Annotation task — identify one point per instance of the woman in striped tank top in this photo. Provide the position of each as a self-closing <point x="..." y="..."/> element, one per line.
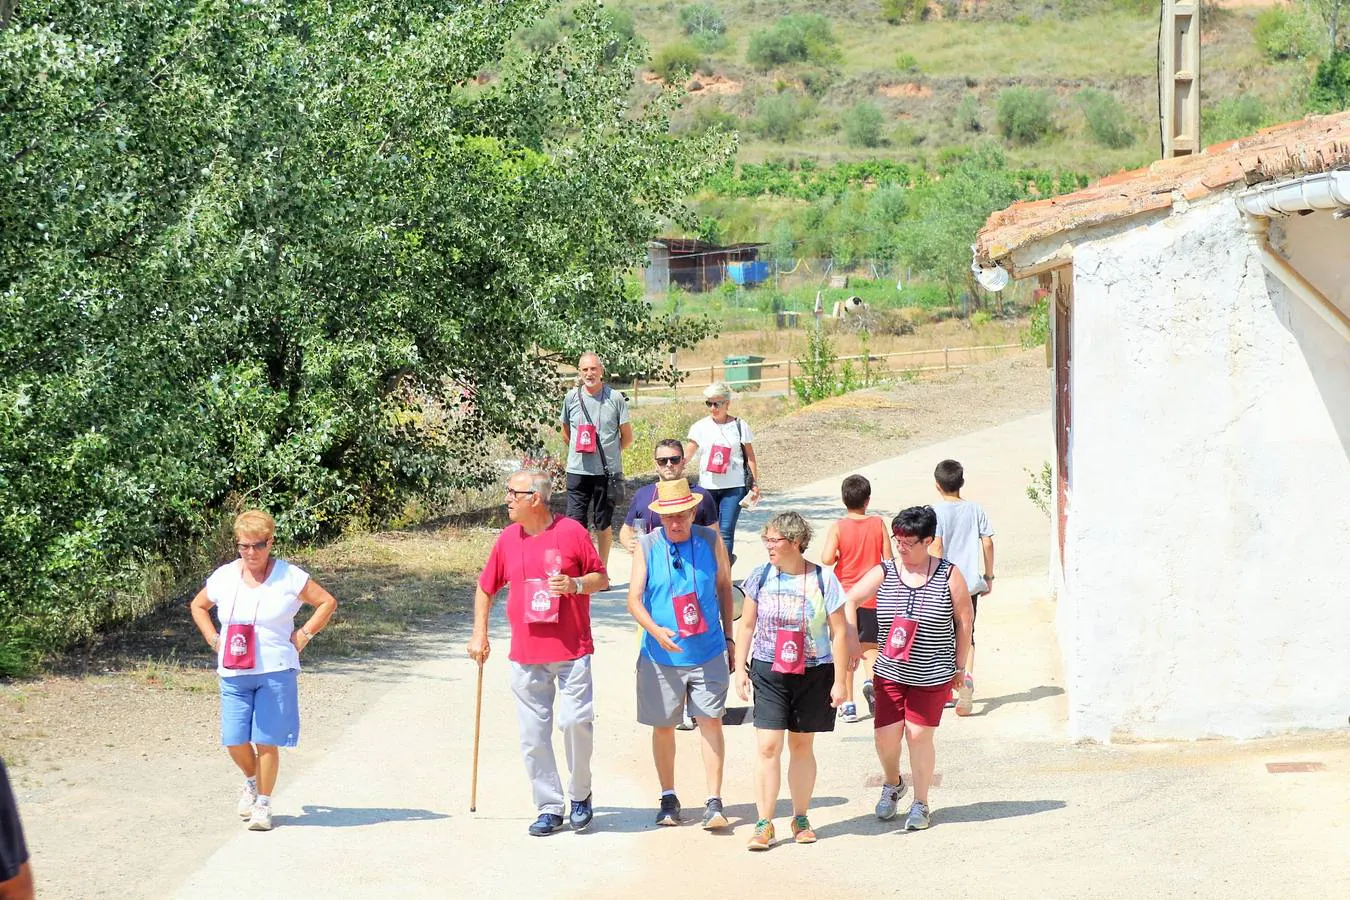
<point x="923" y="622"/>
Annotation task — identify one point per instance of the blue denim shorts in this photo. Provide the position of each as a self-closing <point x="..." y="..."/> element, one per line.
<point x="260" y="709"/>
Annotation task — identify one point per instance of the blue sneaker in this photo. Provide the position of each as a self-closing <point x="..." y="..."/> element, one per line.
<point x="547" y="823"/>
<point x="581" y="813"/>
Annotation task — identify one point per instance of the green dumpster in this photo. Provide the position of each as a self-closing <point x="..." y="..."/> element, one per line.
<point x="743" y="372"/>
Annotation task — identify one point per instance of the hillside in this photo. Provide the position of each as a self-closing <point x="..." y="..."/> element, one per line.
<point x="1017" y="98"/>
<point x="936" y="82"/>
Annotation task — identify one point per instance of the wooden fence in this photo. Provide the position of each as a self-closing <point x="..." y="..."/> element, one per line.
<point x="778" y="374"/>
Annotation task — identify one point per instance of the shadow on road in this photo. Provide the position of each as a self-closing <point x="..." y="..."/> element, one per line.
<point x="989" y="810"/>
<point x="1040" y="692"/>
<point x="354" y="816"/>
<point x="629" y="820"/>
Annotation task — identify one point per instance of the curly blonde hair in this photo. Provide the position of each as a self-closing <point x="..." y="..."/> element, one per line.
<point x="791" y="526"/>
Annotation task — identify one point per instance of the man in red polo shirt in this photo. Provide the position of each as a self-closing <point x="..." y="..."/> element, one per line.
<point x="552" y="569"/>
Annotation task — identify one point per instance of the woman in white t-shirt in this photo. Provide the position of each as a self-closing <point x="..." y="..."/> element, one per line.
<point x="727" y="468"/>
<point x="258" y="656"/>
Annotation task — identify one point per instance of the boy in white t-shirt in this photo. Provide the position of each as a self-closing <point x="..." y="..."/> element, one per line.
<point x="965" y="537"/>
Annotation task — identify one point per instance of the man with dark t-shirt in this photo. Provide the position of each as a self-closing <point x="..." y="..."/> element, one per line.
<point x="16" y="878"/>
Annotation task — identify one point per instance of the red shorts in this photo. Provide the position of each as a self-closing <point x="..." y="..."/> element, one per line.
<point x="904" y="702"/>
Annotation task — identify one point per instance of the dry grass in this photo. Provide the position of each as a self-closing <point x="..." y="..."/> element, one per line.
<point x="391" y="582"/>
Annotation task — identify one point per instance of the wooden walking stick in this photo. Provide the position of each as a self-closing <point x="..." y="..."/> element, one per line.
<point x="477" y="730"/>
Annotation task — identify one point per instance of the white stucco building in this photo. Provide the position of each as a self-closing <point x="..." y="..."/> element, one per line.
<point x="1200" y="314"/>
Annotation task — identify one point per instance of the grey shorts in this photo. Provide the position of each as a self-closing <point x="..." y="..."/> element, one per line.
<point x="663" y="690"/>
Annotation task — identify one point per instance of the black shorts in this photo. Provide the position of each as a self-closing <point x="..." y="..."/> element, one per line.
<point x="799" y="703"/>
<point x="591" y="500"/>
<point x="867" y="625"/>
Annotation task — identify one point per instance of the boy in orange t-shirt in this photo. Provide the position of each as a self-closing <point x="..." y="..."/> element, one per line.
<point x="855" y="545"/>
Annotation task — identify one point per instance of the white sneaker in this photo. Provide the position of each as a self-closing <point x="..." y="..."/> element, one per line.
<point x="247" y="798"/>
<point x="261" y="818"/>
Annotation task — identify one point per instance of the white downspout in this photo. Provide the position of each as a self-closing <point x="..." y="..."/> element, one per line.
<point x="1329" y="190"/>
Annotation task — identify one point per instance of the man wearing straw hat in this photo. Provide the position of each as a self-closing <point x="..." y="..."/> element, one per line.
<point x="680" y="594"/>
<point x="552" y="569"/>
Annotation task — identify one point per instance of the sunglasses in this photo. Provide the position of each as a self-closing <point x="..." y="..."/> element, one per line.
<point x="675" y="561"/>
<point x="669" y="460"/>
<point x="256" y="545"/>
<point x="713" y="404"/>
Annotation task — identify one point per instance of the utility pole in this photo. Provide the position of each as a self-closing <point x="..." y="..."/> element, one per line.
<point x="1180" y="78"/>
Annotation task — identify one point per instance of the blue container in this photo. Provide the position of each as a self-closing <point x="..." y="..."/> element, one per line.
<point x="748" y="274"/>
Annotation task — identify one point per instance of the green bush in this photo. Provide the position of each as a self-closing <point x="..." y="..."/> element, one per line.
<point x="1107" y="121"/>
<point x="819" y="378"/>
<point x="1232" y="117"/>
<point x="675" y="62"/>
<point x="711" y="117"/>
<point x="704" y="26"/>
<point x="1330" y="89"/>
<point x="800" y="37"/>
<point x="898" y="11"/>
<point x="907" y="62"/>
<point x="1025" y="115"/>
<point x="779" y="117"/>
<point x="1284" y="33"/>
<point x="967" y="115"/>
<point x="1037" y="331"/>
<point x="862" y="125"/>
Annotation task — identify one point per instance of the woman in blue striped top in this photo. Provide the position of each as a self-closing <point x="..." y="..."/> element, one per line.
<point x="923" y="623"/>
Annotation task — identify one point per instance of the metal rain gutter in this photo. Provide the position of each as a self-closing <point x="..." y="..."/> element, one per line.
<point x="1327" y="190"/>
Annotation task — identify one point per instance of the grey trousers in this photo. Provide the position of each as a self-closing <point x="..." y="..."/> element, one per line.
<point x="534" y="687"/>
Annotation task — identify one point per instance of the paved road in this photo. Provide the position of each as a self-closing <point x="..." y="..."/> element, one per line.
<point x="1019" y="813"/>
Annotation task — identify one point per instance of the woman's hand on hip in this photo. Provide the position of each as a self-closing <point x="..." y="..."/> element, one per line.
<point x="299" y="639"/>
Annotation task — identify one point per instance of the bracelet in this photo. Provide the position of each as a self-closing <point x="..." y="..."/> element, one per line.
<point x="215" y="641"/>
<point x="577" y="586"/>
<point x="309" y="635"/>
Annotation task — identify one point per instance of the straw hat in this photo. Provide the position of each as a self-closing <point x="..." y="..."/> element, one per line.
<point x="674" y="497"/>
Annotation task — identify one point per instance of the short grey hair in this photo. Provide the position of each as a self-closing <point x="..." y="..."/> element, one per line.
<point x="540" y="481"/>
<point x="718" y="389"/>
<point x="791" y="526"/>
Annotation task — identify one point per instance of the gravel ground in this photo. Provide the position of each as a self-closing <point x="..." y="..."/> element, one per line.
<point x="138" y="740"/>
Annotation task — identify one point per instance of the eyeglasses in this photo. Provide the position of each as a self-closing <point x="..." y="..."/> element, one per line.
<point x="669" y="460"/>
<point x="516" y="495"/>
<point x="713" y="404"/>
<point x="256" y="545"/>
<point x="907" y="543"/>
<point x="772" y="542"/>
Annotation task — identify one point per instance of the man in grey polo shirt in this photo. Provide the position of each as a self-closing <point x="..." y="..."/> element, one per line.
<point x="596" y="430"/>
<point x="680" y="594"/>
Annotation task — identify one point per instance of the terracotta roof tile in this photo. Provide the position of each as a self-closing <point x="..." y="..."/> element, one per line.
<point x="1314" y="144"/>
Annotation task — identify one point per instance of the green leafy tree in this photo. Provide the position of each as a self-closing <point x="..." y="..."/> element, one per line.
<point x="1330" y="89"/>
<point x="896" y="12"/>
<point x="294" y="254"/>
<point x="778" y="117"/>
<point x="1025" y="115"/>
<point x="676" y="61"/>
<point x="1107" y="121"/>
<point x="704" y="25"/>
<point x="799" y="37"/>
<point x="862" y="125"/>
<point x="946" y="213"/>
<point x="1284" y="33"/>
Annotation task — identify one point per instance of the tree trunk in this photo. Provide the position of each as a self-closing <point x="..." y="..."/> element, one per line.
<point x="6" y="10"/>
